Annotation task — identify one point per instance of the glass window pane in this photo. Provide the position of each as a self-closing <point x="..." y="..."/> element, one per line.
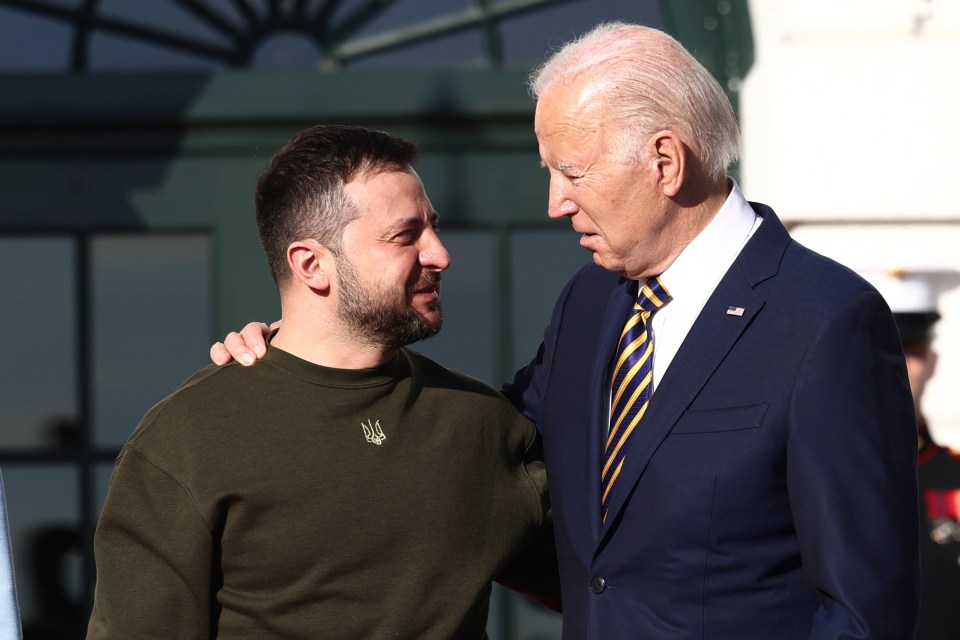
<point x="399" y="14"/>
<point x="38" y="373"/>
<point x="229" y="10"/>
<point x="151" y="324"/>
<point x="167" y="17"/>
<point x="543" y="262"/>
<point x="29" y="42"/>
<point x="456" y="49"/>
<point x="287" y="50"/>
<point x="46" y="541"/>
<point x="466" y="341"/>
<point x="118" y="53"/>
<point x="530" y="37"/>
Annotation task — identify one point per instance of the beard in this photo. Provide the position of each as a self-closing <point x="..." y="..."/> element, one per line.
<point x="377" y="315"/>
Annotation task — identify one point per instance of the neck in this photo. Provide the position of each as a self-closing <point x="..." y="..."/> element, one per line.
<point x="689" y="217"/>
<point x="319" y="338"/>
<point x="705" y="203"/>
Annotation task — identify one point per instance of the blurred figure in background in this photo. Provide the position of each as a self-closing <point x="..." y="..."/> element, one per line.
<point x="9" y="611"/>
<point x="913" y="296"/>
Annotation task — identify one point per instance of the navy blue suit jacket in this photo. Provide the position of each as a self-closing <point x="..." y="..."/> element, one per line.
<point x="770" y="490"/>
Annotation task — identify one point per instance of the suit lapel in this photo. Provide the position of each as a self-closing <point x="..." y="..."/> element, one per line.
<point x="712" y="336"/>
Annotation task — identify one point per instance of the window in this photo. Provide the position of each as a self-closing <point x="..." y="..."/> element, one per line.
<point x="98" y="328"/>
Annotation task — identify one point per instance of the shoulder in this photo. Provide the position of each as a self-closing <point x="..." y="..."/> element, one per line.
<point x="783" y="263"/>
<point x="798" y="262"/>
<point x="811" y="277"/>
<point x="455" y="398"/>
<point x="456" y="387"/>
<point x="786" y="271"/>
<point x="431" y="373"/>
<point x="213" y="394"/>
<point x="822" y="303"/>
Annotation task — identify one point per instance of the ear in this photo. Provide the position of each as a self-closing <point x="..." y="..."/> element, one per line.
<point x="311" y="263"/>
<point x="670" y="160"/>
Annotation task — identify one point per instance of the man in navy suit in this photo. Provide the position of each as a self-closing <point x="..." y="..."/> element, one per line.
<point x="763" y="484"/>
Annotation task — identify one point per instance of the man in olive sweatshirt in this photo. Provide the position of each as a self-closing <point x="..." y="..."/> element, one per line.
<point x="344" y="486"/>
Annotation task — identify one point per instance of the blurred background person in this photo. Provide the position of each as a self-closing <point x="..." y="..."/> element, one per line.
<point x="913" y="297"/>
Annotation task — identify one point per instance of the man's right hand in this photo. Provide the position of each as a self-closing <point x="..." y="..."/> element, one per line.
<point x="245" y="347"/>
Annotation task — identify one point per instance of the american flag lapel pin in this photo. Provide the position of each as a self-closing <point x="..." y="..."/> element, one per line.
<point x="735" y="311"/>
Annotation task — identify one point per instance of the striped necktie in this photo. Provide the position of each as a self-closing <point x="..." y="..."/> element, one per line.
<point x="632" y="381"/>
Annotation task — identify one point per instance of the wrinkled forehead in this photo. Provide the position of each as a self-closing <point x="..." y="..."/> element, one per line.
<point x="576" y="110"/>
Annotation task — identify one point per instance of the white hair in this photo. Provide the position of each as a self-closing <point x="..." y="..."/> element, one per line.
<point x="650" y="83"/>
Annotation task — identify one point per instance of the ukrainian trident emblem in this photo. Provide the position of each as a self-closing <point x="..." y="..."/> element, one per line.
<point x="373" y="432"/>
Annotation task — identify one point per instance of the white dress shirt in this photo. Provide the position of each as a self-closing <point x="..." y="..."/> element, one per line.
<point x="9" y="611"/>
<point x="696" y="272"/>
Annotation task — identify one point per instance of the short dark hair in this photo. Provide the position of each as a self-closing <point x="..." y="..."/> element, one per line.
<point x="301" y="196"/>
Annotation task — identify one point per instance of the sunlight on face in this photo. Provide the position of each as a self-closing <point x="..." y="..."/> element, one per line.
<point x="391" y="260"/>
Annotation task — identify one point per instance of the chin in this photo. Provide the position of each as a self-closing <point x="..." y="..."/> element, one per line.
<point x="433" y="320"/>
<point x="607" y="264"/>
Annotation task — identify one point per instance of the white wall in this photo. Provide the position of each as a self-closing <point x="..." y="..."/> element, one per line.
<point x="849" y="115"/>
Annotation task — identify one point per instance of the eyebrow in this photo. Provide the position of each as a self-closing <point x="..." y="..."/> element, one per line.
<point x="414" y="221"/>
<point x="562" y="167"/>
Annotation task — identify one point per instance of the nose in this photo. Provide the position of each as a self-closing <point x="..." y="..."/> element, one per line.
<point x="559" y="204"/>
<point x="433" y="255"/>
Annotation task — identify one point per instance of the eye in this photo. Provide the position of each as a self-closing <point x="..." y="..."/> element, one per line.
<point x="406" y="236"/>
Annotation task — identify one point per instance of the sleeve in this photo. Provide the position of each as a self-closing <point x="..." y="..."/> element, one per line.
<point x="852" y="476"/>
<point x="154" y="558"/>
<point x="534" y="572"/>
<point x="526" y="389"/>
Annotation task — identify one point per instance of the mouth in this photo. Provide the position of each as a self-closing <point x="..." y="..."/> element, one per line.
<point x="583" y="234"/>
<point x="428" y="285"/>
<point x="434" y="294"/>
<point x="585" y="238"/>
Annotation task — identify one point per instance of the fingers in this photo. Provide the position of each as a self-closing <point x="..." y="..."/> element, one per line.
<point x="245" y="347"/>
<point x="237" y="347"/>
<point x="254" y="337"/>
<point x="219" y="354"/>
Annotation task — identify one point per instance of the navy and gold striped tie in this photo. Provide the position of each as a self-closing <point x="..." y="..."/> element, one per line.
<point x="632" y="376"/>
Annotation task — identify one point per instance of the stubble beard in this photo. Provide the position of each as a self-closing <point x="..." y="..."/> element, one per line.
<point x="376" y="316"/>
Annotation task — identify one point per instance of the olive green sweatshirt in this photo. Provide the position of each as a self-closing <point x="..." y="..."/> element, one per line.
<point x="289" y="500"/>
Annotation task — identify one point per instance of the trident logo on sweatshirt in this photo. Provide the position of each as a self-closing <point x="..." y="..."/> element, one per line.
<point x="373" y="433"/>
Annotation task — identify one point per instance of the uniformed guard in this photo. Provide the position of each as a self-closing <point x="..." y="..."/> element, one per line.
<point x="913" y="298"/>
